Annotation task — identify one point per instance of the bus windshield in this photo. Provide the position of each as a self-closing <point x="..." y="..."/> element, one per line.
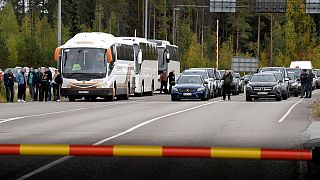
<point x="84" y="61"/>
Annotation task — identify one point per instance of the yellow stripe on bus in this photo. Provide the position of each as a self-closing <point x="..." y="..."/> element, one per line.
<point x="31" y="149"/>
<point x="237" y="153"/>
<point x="121" y="150"/>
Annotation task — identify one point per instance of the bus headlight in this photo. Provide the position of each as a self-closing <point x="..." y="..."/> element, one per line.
<point x="101" y="85"/>
<point x="66" y="85"/>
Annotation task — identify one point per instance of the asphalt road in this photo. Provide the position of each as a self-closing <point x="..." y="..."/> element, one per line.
<point x="155" y="120"/>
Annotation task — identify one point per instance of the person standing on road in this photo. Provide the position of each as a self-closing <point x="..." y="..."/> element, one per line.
<point x="172" y="80"/>
<point x="9" y="84"/>
<point x="309" y="84"/>
<point x="303" y="79"/>
<point x="57" y="83"/>
<point x="164" y="82"/>
<point x="46" y="87"/>
<point x="227" y="77"/>
<point x="32" y="81"/>
<point x="38" y="92"/>
<point x="21" y="80"/>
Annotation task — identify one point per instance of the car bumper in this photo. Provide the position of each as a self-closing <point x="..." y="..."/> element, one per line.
<point x="263" y="94"/>
<point x="193" y="95"/>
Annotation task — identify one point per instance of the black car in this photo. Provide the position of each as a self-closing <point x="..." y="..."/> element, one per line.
<point x="293" y="84"/>
<point x="263" y="86"/>
<point x="190" y="87"/>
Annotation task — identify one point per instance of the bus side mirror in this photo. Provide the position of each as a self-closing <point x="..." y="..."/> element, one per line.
<point x="109" y="55"/>
<point x="140" y="57"/>
<point x="57" y="54"/>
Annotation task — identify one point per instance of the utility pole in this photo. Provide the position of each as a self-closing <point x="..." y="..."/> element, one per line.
<point x="59" y="22"/>
<point x="217" y="48"/>
<point x="146" y="20"/>
<point x="271" y="41"/>
<point x="259" y="21"/>
<point x="174" y="25"/>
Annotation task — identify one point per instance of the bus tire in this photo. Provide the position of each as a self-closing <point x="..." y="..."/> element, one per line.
<point x="126" y="96"/>
<point x="72" y="99"/>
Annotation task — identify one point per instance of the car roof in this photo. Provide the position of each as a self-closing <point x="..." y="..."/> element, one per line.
<point x="191" y="75"/>
<point x="195" y="70"/>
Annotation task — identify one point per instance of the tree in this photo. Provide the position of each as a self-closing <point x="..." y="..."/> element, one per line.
<point x="10" y="30"/>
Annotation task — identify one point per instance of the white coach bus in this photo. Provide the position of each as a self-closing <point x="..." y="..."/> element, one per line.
<point x="146" y="71"/>
<point x="168" y="58"/>
<point x="96" y="65"/>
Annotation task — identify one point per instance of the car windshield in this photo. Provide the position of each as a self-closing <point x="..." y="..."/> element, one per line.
<point x="279" y="76"/>
<point x="263" y="78"/>
<point x="296" y="71"/>
<point x="189" y="80"/>
<point x="204" y="74"/>
<point x="292" y="76"/>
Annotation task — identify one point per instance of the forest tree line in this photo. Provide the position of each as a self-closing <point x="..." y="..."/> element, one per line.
<point x="28" y="30"/>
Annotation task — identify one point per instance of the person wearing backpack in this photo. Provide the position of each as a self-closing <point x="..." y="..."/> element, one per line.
<point x="304" y="84"/>
<point x="227" y="77"/>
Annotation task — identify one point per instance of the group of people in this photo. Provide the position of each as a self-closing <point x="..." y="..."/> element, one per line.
<point x="164" y="81"/>
<point x="38" y="82"/>
<point x="306" y="83"/>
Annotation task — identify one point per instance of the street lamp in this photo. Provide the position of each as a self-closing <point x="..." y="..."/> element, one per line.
<point x="174" y="25"/>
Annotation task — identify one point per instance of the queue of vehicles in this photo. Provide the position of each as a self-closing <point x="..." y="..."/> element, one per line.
<point x="278" y="82"/>
<point x="204" y="84"/>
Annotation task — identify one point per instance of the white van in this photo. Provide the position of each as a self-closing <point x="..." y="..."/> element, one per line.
<point x="301" y="64"/>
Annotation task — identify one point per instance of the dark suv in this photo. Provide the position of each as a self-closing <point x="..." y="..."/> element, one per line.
<point x="263" y="86"/>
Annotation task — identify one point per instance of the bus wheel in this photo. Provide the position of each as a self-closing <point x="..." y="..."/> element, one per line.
<point x="126" y="96"/>
<point x="72" y="99"/>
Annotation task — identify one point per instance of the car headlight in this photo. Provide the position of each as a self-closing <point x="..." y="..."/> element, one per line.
<point x="249" y="87"/>
<point x="201" y="89"/>
<point x="174" y="89"/>
<point x="294" y="84"/>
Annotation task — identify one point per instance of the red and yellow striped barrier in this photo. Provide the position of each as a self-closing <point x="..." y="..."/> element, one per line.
<point x="159" y="151"/>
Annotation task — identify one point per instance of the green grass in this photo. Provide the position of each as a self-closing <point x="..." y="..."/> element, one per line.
<point x="3" y="94"/>
<point x="316" y="109"/>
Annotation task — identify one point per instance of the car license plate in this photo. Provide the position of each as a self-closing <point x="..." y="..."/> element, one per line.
<point x="83" y="92"/>
<point x="264" y="93"/>
<point x="187" y="94"/>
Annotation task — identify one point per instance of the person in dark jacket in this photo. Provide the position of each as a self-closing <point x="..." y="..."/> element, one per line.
<point x="9" y="84"/>
<point x="303" y="79"/>
<point x="172" y="80"/>
<point x="32" y="81"/>
<point x="227" y="77"/>
<point x="309" y="84"/>
<point x="45" y="83"/>
<point x="38" y="91"/>
<point x="57" y="83"/>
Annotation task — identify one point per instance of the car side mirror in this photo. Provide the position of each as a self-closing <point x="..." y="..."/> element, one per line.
<point x="242" y="79"/>
<point x="286" y="79"/>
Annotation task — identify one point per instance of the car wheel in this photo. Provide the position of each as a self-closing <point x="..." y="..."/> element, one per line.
<point x="72" y="99"/>
<point x="248" y="98"/>
<point x="173" y="99"/>
<point x="284" y="96"/>
<point x="296" y="94"/>
<point x="279" y="98"/>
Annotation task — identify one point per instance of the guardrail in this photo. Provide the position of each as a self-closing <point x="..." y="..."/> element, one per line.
<point x="161" y="151"/>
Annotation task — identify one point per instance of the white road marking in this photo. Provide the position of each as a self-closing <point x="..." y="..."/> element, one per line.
<point x="65" y="158"/>
<point x="288" y="112"/>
